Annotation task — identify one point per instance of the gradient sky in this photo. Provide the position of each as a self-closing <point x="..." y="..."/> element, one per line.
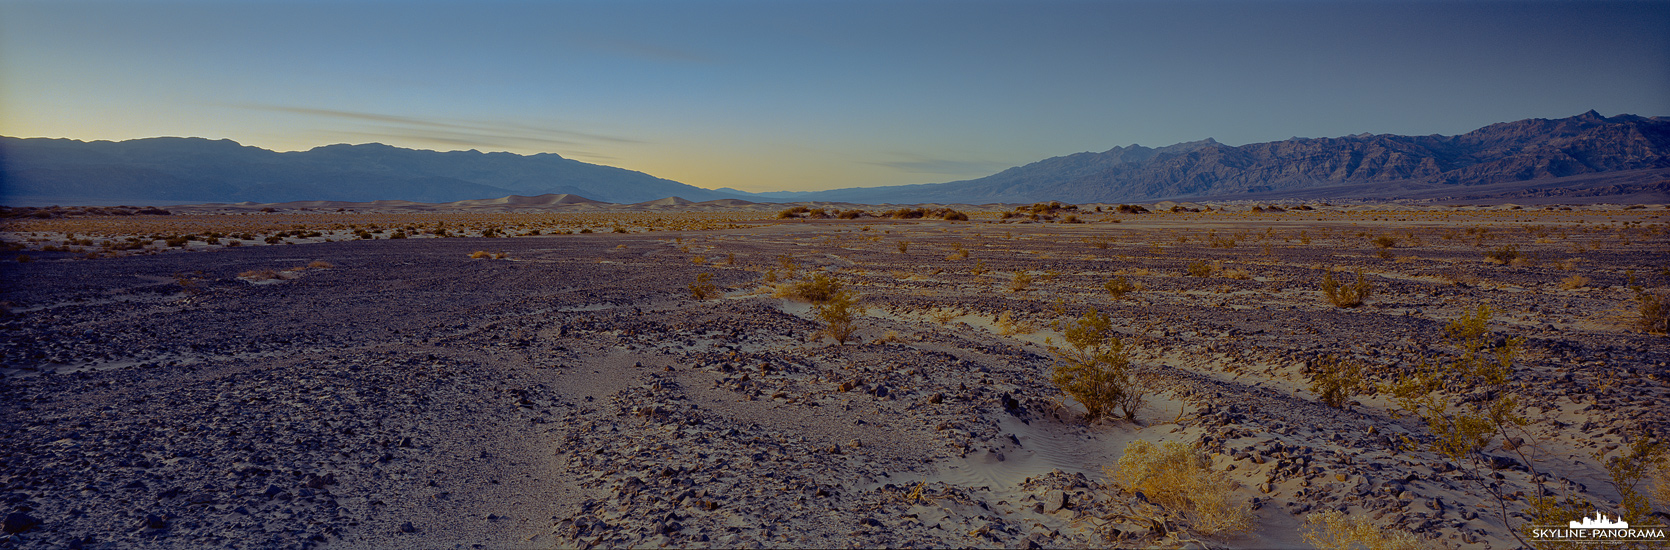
<point x="815" y="94"/>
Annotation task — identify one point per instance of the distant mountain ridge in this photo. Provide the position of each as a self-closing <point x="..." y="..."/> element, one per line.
<point x="1628" y="153"/>
<point x="197" y="169"/>
<point x="1525" y="150"/>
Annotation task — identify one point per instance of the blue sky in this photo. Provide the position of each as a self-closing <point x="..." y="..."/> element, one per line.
<point x="815" y="94"/>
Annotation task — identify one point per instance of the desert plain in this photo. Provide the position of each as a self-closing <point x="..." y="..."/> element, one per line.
<point x="662" y="377"/>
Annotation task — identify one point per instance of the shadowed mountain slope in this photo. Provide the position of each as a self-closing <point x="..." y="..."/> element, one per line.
<point x="1522" y="151"/>
<point x="196" y="169"/>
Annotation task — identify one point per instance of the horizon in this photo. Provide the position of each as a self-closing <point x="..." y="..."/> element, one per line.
<point x="809" y="96"/>
<point x="766" y="192"/>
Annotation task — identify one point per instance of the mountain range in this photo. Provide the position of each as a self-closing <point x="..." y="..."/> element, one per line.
<point x="1532" y="157"/>
<point x="1532" y="150"/>
<point x="195" y="169"/>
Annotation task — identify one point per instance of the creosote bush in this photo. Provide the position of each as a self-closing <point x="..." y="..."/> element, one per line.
<point x="1095" y="369"/>
<point x="1482" y="368"/>
<point x="819" y="289"/>
<point x="1180" y="480"/>
<point x="1340" y="295"/>
<point x="1119" y="286"/>
<point x="1007" y="324"/>
<point x="1020" y="281"/>
<point x="839" y="312"/>
<point x="1505" y="254"/>
<point x="704" y="288"/>
<point x="1653" y="313"/>
<point x="1336" y="380"/>
<point x="1574" y="282"/>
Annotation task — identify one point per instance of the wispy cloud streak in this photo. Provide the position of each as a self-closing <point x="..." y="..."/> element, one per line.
<point x="928" y="165"/>
<point x="453" y="132"/>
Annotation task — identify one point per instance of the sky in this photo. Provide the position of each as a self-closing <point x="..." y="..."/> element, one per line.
<point x="815" y="94"/>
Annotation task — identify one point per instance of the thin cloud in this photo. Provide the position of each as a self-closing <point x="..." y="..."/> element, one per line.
<point x="452" y="132"/>
<point x="928" y="165"/>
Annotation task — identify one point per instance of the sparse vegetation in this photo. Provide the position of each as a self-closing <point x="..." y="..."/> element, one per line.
<point x="1336" y="380"/>
<point x="1504" y="255"/>
<point x="1199" y="268"/>
<point x="1341" y="295"/>
<point x="1574" y="282"/>
<point x="1334" y="530"/>
<point x="839" y="313"/>
<point x="817" y="290"/>
<point x="704" y="288"/>
<point x="1119" y="286"/>
<point x="1653" y="313"/>
<point x="1008" y="325"/>
<point x="1020" y="281"/>
<point x="1094" y="369"/>
<point x="1179" y="480"/>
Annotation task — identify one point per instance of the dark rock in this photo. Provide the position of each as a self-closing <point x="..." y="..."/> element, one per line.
<point x="18" y="522"/>
<point x="153" y="521"/>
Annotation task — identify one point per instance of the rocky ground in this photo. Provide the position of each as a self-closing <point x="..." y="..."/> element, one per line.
<point x="573" y="393"/>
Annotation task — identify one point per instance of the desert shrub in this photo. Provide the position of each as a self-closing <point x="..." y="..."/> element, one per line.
<point x="1237" y="274"/>
<point x="1482" y="369"/>
<point x="1180" y="479"/>
<point x="850" y="214"/>
<point x="259" y="274"/>
<point x="1574" y="282"/>
<point x="1119" y="286"/>
<point x="979" y="266"/>
<point x="839" y="312"/>
<point x="1633" y="465"/>
<point x="1504" y="254"/>
<point x="904" y="247"/>
<point x="1199" y="269"/>
<point x="1336" y="380"/>
<point x="1661" y="486"/>
<point x="1020" y="281"/>
<point x="818" y="289"/>
<point x="1334" y="530"/>
<point x="1385" y="241"/>
<point x="794" y="212"/>
<point x="1007" y="325"/>
<point x="1653" y="313"/>
<point x="704" y="288"/>
<point x="955" y="216"/>
<point x="480" y="254"/>
<point x="24" y="258"/>
<point x="1341" y="295"/>
<point x="320" y="264"/>
<point x="1095" y="369"/>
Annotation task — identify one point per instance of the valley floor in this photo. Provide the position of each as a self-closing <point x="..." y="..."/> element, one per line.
<point x="570" y="391"/>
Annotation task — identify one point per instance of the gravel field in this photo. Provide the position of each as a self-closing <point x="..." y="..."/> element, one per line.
<point x="574" y="393"/>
